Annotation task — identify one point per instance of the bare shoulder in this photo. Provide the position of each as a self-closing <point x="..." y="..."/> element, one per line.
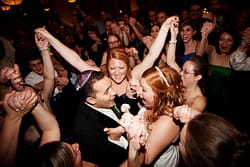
<point x="199" y="103"/>
<point x="165" y="122"/>
<point x="200" y="98"/>
<point x="166" y="129"/>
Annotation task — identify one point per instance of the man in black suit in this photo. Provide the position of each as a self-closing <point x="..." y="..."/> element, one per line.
<point x="107" y="32"/>
<point x="93" y="116"/>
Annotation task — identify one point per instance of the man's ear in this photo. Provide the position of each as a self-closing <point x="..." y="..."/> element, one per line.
<point x="91" y="100"/>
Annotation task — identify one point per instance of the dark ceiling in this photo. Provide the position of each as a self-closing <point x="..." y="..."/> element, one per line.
<point x="30" y="8"/>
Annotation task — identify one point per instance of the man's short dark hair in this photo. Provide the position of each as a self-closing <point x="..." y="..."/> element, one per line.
<point x="87" y="90"/>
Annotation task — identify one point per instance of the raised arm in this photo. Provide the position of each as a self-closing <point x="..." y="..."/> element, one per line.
<point x="47" y="123"/>
<point x="172" y="48"/>
<point x="48" y="68"/>
<point x="9" y="131"/>
<point x="68" y="54"/>
<point x="155" y="49"/>
<point x="133" y="22"/>
<point x="204" y="47"/>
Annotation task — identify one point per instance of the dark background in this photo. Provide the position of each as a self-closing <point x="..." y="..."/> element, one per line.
<point x="34" y="8"/>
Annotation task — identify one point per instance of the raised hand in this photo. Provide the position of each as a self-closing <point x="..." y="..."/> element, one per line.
<point x="16" y="79"/>
<point x="12" y="76"/>
<point x="148" y="40"/>
<point x="131" y="51"/>
<point x="170" y="20"/>
<point x="207" y="28"/>
<point x="132" y="86"/>
<point x="174" y="28"/>
<point x="17" y="104"/>
<point x="5" y="74"/>
<point x="42" y="32"/>
<point x="132" y="21"/>
<point x="41" y="41"/>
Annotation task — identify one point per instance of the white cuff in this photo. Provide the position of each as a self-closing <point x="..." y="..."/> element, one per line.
<point x="122" y="142"/>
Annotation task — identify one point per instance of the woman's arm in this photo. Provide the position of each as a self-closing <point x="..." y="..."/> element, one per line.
<point x="68" y="54"/>
<point x="104" y="58"/>
<point x="155" y="49"/>
<point x="132" y="22"/>
<point x="137" y="136"/>
<point x="47" y="123"/>
<point x="136" y="153"/>
<point x="185" y="113"/>
<point x="172" y="48"/>
<point x="16" y="105"/>
<point x="124" y="38"/>
<point x="48" y="68"/>
<point x="203" y="46"/>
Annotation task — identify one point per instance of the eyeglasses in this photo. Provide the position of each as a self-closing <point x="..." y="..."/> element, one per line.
<point x="112" y="42"/>
<point x="186" y="72"/>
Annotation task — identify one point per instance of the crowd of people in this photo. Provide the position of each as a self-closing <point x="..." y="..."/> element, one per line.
<point x="183" y="76"/>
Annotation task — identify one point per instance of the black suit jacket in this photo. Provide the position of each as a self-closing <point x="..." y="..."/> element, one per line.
<point x="94" y="144"/>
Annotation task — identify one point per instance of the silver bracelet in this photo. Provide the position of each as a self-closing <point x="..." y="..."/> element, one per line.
<point x="41" y="49"/>
<point x="172" y="42"/>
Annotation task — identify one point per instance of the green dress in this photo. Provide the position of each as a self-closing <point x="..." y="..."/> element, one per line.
<point x="218" y="89"/>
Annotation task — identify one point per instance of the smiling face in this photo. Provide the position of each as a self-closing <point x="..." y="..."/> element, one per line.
<point x="187" y="33"/>
<point x="146" y="94"/>
<point x="117" y="70"/>
<point x="188" y="75"/>
<point x="226" y="42"/>
<point x="104" y="94"/>
<point x="36" y="66"/>
<point x="154" y="31"/>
